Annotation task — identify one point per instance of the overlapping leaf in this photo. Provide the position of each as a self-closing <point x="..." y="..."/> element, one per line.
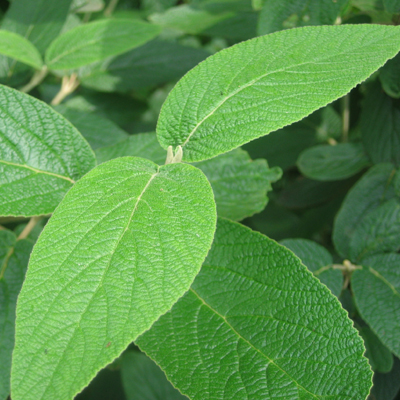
<point x="123" y="246"/>
<point x="41" y="155"/>
<point x="263" y="84"/>
<point x="256" y="324"/>
<point x="96" y="41"/>
<point x="376" y="290"/>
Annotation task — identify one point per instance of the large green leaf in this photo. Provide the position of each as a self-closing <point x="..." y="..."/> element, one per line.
<point x="257" y="325"/>
<point x="153" y="63"/>
<point x="122" y="247"/>
<point x="377" y="232"/>
<point x="41" y="155"/>
<point x="96" y="41"/>
<point x="20" y="49"/>
<point x="318" y="260"/>
<point x="144" y="380"/>
<point x="371" y="191"/>
<point x="277" y="15"/>
<point x="14" y="258"/>
<point x="331" y="163"/>
<point x="261" y="85"/>
<point x="240" y="185"/>
<point x="97" y="130"/>
<point x="376" y="289"/>
<point x="380" y="126"/>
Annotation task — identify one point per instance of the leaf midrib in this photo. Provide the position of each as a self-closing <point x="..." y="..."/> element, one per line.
<point x="271" y="361"/>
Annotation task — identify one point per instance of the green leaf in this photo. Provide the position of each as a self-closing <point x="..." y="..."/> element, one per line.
<point x="85" y="6"/>
<point x="376" y="289"/>
<point x="318" y="260"/>
<point x="261" y="85"/>
<point x="380" y="126"/>
<point x="96" y="41"/>
<point x="154" y="63"/>
<point x="144" y="380"/>
<point x="379" y="356"/>
<point x="122" y="247"/>
<point x="378" y="232"/>
<point x="390" y="77"/>
<point x="240" y="185"/>
<point x="38" y="21"/>
<point x="277" y="15"/>
<point x="245" y="330"/>
<point x="392" y="6"/>
<point x="97" y="130"/>
<point x="188" y="19"/>
<point x="331" y="163"/>
<point x="41" y="155"/>
<point x="143" y="145"/>
<point x="14" y="258"/>
<point x="20" y="49"/>
<point x="372" y="190"/>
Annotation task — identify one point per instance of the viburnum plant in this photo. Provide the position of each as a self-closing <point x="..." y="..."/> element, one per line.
<point x="131" y="244"/>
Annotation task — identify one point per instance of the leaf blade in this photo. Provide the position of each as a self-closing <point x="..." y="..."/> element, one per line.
<point x="282" y="78"/>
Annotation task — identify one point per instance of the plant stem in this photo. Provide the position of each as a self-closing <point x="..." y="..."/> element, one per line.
<point x="37" y="79"/>
<point x="68" y="85"/>
<point x="346" y="118"/>
<point x="110" y="8"/>
<point x="23" y="235"/>
<point x="28" y="228"/>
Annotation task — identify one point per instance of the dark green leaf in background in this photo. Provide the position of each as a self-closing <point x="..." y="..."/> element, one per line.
<point x="331" y="163"/>
<point x="380" y="126"/>
<point x="41" y="155"/>
<point x="256" y="324"/>
<point x="371" y="191"/>
<point x="123" y="246"/>
<point x="318" y="260"/>
<point x="282" y="78"/>
<point x="379" y="356"/>
<point x="14" y="258"/>
<point x="278" y="15"/>
<point x="390" y="77"/>
<point x="386" y="386"/>
<point x="144" y="380"/>
<point x="376" y="289"/>
<point x="149" y="65"/>
<point x="96" y="41"/>
<point x="392" y="6"/>
<point x="97" y="130"/>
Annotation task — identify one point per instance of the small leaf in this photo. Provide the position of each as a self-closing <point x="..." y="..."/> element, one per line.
<point x="122" y="247"/>
<point x="372" y="190"/>
<point x="154" y="63"/>
<point x="389" y="76"/>
<point x="277" y="15"/>
<point x="41" y="155"/>
<point x="379" y="356"/>
<point x="144" y="380"/>
<point x="96" y="41"/>
<point x="380" y="126"/>
<point x="331" y="163"/>
<point x="240" y="185"/>
<point x="376" y="289"/>
<point x="378" y="232"/>
<point x="245" y="330"/>
<point x="261" y="85"/>
<point x="318" y="260"/>
<point x="20" y="49"/>
<point x="143" y="145"/>
<point x="14" y="258"/>
<point x="97" y="130"/>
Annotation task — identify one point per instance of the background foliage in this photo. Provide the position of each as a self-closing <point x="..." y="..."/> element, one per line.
<point x="325" y="184"/>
